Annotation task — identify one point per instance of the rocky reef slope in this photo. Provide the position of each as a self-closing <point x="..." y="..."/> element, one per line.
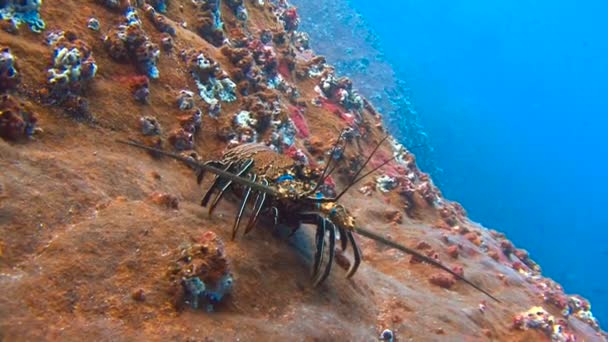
<point x="95" y="236"/>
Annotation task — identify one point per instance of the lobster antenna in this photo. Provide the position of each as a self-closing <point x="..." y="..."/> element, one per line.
<point x="376" y="237"/>
<point x="361" y="168"/>
<point x="323" y="176"/>
<point x="374" y="169"/>
<point x="206" y="167"/>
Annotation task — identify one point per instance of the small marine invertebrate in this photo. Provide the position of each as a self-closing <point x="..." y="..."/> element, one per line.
<point x="9" y="73"/>
<point x="266" y="36"/>
<point x="16" y="121"/>
<point x="201" y="275"/>
<point x="240" y="57"/>
<point x="244" y="125"/>
<point x="73" y="62"/>
<point x="130" y="42"/>
<point x="19" y="12"/>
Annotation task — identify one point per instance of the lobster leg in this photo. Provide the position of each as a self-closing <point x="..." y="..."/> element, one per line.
<point x="201" y="172"/>
<point x="226" y="186"/>
<point x="343" y="238"/>
<point x="276" y="215"/>
<point x="237" y="221"/>
<point x="356" y="255"/>
<point x="254" y="214"/>
<point x="320" y="237"/>
<point x="257" y="207"/>
<point x="332" y="251"/>
<point x="216" y="183"/>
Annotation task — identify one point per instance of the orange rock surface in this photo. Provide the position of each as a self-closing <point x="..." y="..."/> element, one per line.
<point x="89" y="227"/>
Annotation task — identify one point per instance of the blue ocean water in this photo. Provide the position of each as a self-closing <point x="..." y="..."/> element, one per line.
<point x="513" y="97"/>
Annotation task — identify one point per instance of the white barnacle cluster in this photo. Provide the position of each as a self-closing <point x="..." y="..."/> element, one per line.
<point x="72" y="63"/>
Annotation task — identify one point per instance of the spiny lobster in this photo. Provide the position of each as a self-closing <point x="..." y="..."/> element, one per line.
<point x="283" y="187"/>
